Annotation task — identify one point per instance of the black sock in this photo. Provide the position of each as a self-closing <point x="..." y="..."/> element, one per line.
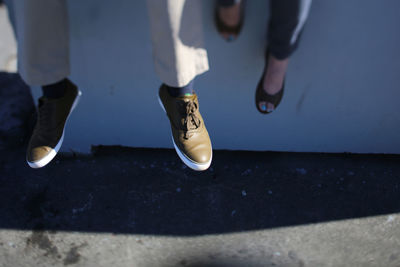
<point x="55" y="90"/>
<point x="181" y="91"/>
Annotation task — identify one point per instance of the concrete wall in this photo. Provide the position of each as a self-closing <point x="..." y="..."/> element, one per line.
<point x="342" y="87"/>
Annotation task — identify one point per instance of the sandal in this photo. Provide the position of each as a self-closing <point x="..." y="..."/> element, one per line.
<point x="233" y="31"/>
<point x="262" y="96"/>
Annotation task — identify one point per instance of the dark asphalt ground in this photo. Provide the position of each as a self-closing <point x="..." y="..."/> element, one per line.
<point x="152" y="188"/>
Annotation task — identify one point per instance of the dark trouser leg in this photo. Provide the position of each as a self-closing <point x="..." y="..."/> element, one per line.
<point x="181" y="91"/>
<point x="227" y="3"/>
<point x="285" y="26"/>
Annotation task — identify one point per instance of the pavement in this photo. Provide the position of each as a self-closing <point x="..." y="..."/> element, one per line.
<point x="121" y="206"/>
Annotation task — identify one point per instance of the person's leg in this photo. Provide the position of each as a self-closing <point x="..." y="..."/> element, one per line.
<point x="285" y="26"/>
<point x="286" y="23"/>
<point x="43" y="60"/>
<point x="11" y="14"/>
<point x="177" y="37"/>
<point x="181" y="91"/>
<point x="227" y="3"/>
<point x="180" y="56"/>
<point x="229" y="18"/>
<point x="43" y="40"/>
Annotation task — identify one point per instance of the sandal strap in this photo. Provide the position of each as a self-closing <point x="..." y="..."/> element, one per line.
<point x="266" y="97"/>
<point x="262" y="96"/>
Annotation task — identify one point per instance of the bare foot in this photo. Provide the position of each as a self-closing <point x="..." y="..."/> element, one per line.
<point x="230" y="16"/>
<point x="273" y="79"/>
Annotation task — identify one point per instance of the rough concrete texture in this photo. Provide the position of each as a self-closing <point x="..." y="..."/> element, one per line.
<point x="143" y="207"/>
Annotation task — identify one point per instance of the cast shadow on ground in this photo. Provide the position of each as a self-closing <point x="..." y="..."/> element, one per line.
<point x="149" y="191"/>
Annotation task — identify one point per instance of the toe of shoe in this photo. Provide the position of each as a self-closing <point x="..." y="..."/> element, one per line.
<point x="36" y="154"/>
<point x="200" y="155"/>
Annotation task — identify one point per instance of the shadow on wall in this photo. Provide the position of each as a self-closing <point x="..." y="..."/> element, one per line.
<point x="146" y="191"/>
<point x="17" y="111"/>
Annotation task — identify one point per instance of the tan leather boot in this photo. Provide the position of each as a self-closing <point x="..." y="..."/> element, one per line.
<point x="189" y="133"/>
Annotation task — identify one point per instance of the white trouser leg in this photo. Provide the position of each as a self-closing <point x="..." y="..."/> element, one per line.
<point x="177" y="35"/>
<point x="43" y="40"/>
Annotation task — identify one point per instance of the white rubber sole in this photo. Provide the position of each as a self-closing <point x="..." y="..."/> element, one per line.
<point x="188" y="162"/>
<point x="53" y="152"/>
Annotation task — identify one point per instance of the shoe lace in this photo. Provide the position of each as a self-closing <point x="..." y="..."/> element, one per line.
<point x="187" y="110"/>
<point x="46" y="115"/>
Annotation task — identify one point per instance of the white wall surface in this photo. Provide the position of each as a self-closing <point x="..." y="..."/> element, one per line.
<point x="342" y="88"/>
